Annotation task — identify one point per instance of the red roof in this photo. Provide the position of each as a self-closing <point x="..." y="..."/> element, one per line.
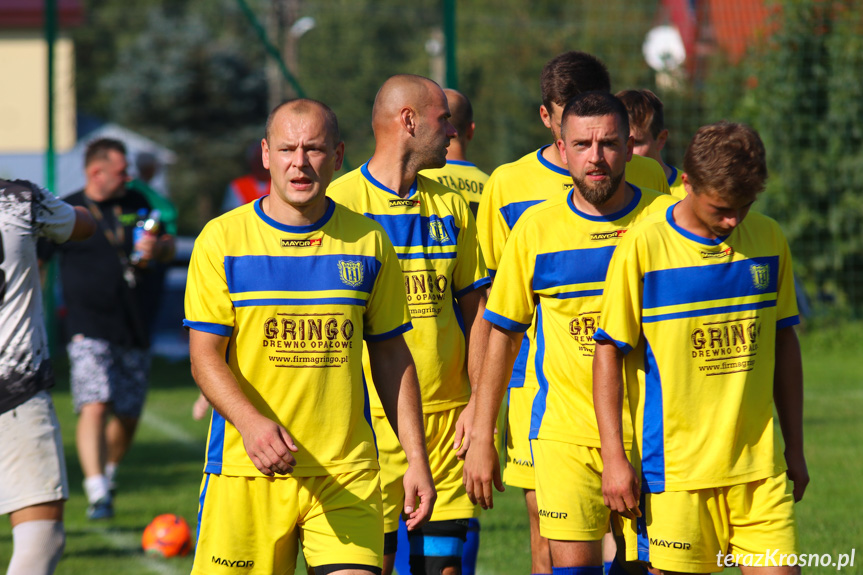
<point x="17" y="14"/>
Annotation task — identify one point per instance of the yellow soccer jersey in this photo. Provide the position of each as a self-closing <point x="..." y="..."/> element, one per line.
<point x="296" y="303"/>
<point x="554" y="264"/>
<point x="463" y="177"/>
<point x="708" y="312"/>
<point x="434" y="235"/>
<point x="675" y="183"/>
<point x="515" y="187"/>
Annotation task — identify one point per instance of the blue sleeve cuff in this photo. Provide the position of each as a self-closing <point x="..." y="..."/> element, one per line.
<point x="475" y="285"/>
<point x="601" y="335"/>
<point x="492" y="272"/>
<point x="504" y="322"/>
<point x="390" y="334"/>
<point x="787" y="322"/>
<point x="214" y="328"/>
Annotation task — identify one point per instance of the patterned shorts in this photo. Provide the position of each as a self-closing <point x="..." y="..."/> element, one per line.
<point x="103" y="372"/>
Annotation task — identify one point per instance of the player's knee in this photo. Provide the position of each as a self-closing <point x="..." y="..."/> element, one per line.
<point x="38" y="546"/>
<point x="437" y="547"/>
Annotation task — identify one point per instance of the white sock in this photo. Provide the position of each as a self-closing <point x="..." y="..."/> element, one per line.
<point x="96" y="488"/>
<point x="111" y="473"/>
<point x="38" y="546"/>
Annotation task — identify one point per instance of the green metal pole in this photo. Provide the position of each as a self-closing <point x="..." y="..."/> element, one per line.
<point x="450" y="43"/>
<point x="51" y="272"/>
<point x="50" y="39"/>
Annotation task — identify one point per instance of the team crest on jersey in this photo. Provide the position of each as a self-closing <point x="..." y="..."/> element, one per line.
<point x="607" y="235"/>
<point x="404" y="203"/>
<point x="726" y="253"/>
<point x="760" y="275"/>
<point x="351" y="273"/>
<point x="437" y="231"/>
<point x="286" y="243"/>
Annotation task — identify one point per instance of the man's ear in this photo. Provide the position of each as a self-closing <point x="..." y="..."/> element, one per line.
<point x="545" y="116"/>
<point x="409" y="119"/>
<point x="661" y="140"/>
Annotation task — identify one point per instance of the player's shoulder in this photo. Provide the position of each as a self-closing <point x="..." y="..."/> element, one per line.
<point x="360" y="224"/>
<point x="763" y="225"/>
<point x="656" y="200"/>
<point x="344" y="183"/>
<point x="451" y="200"/>
<point x="515" y="168"/>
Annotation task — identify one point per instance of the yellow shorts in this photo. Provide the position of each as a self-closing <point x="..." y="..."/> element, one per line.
<point x="452" y="501"/>
<point x="693" y="531"/>
<point x="519" y="470"/>
<point x="569" y="491"/>
<point x="259" y="521"/>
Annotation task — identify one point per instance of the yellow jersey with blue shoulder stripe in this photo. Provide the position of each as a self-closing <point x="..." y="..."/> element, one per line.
<point x="434" y="235"/>
<point x="553" y="268"/>
<point x="707" y="312"/>
<point x="296" y="303"/>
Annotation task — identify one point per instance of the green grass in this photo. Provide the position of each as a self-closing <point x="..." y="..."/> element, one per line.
<point x="162" y="472"/>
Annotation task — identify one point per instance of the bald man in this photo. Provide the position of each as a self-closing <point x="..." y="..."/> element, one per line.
<point x="446" y="281"/>
<point x="289" y="282"/>
<point x="458" y="173"/>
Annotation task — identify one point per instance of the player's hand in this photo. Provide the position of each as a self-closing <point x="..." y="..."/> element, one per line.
<point x="268" y="445"/>
<point x="798" y="472"/>
<point x="463" y="428"/>
<point x="418" y="484"/>
<point x="200" y="407"/>
<point x="481" y="470"/>
<point x="621" y="488"/>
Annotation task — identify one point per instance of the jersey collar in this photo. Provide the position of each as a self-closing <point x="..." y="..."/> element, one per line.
<point x="368" y="175"/>
<point x="549" y="165"/>
<point x="622" y="213"/>
<point x="331" y="207"/>
<point x="669" y="217"/>
<point x="460" y="163"/>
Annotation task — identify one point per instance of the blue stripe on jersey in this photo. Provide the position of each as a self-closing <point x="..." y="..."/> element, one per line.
<point x="475" y="285"/>
<point x="571" y="267"/>
<point x="707" y="283"/>
<point x="435" y="545"/>
<point x="216" y="447"/>
<point x="428" y="256"/>
<point x="390" y="334"/>
<point x="205" y="326"/>
<point x="300" y="301"/>
<point x="787" y="322"/>
<point x="201" y="499"/>
<point x="602" y="335"/>
<point x="539" y="401"/>
<point x="367" y="412"/>
<point x="710" y="311"/>
<point x="519" y="368"/>
<point x="642" y="538"/>
<point x="460" y="163"/>
<point x="653" y="427"/>
<point x="364" y="169"/>
<point x="300" y="273"/>
<point x="412" y="230"/>
<point x="574" y="294"/>
<point x="459" y="318"/>
<point x="504" y="322"/>
<point x="512" y="212"/>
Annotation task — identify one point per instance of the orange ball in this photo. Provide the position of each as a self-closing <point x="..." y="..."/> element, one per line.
<point x="167" y="535"/>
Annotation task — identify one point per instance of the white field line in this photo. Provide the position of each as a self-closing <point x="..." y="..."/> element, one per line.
<point x="120" y="540"/>
<point x="172" y="431"/>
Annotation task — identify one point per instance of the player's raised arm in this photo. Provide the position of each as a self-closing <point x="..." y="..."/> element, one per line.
<point x="266" y="442"/>
<point x="395" y="378"/>
<point x="788" y="397"/>
<point x="482" y="465"/>
<point x="620" y="485"/>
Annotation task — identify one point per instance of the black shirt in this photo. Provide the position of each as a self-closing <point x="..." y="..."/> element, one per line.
<point x="99" y="301"/>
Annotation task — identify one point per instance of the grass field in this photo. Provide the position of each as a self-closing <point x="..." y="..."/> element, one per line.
<point x="162" y="473"/>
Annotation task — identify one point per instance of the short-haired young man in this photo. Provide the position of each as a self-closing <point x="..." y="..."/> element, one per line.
<point x="511" y="189"/>
<point x="647" y="127"/>
<point x="553" y="269"/>
<point x="701" y="300"/>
